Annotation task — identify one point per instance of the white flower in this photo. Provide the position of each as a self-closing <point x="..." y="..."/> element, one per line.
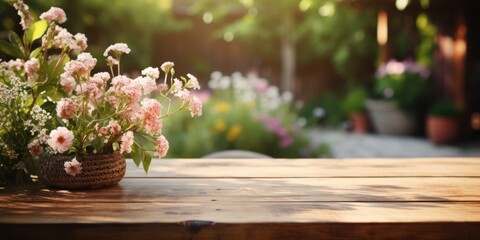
<point x="87" y="59"/>
<point x="54" y="14"/>
<point x="151" y="72"/>
<point x="112" y="61"/>
<point x="117" y="48"/>
<point x="148" y="84"/>
<point x="166" y="66"/>
<point x="192" y="82"/>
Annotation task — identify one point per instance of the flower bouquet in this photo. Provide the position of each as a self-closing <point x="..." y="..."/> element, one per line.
<point x="77" y="123"/>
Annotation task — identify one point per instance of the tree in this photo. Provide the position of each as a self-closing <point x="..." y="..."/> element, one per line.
<point x="323" y="27"/>
<point x="109" y="22"/>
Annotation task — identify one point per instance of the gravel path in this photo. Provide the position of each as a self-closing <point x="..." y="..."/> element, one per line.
<point x="348" y="145"/>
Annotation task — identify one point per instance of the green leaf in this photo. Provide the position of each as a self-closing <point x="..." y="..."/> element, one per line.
<point x="35" y="52"/>
<point x="9" y="49"/>
<point x="137" y="154"/>
<point x="147" y="159"/>
<point x="16" y="43"/>
<point x="36" y="30"/>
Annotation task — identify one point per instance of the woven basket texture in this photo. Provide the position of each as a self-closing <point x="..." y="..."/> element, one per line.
<point x="97" y="171"/>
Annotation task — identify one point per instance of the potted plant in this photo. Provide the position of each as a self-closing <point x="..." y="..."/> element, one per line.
<point x="77" y="124"/>
<point x="443" y="122"/>
<point x="354" y="106"/>
<point x="398" y="88"/>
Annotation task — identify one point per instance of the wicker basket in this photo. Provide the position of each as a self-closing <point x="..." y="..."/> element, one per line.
<point x="98" y="171"/>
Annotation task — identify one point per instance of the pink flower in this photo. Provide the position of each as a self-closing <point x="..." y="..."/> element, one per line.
<point x="63" y="39"/>
<point x="127" y="141"/>
<point x="166" y="66"/>
<point x="151" y="107"/>
<point x="87" y="59"/>
<point x="91" y="90"/>
<point x="183" y="95"/>
<point x="162" y="87"/>
<point x="100" y="78"/>
<point x="31" y="67"/>
<point x="67" y="108"/>
<point x="117" y="48"/>
<point x="102" y="131"/>
<point x="81" y="41"/>
<point x="195" y="106"/>
<point x="73" y="167"/>
<point x="26" y="18"/>
<point x="67" y="82"/>
<point x="76" y="68"/>
<point x="132" y="113"/>
<point x="114" y="127"/>
<point x="120" y="81"/>
<point x="16" y="64"/>
<point x="161" y="146"/>
<point x="54" y="14"/>
<point x="35" y="148"/>
<point x="148" y="84"/>
<point x="133" y="91"/>
<point x="152" y="125"/>
<point x="60" y="140"/>
<point x="151" y="72"/>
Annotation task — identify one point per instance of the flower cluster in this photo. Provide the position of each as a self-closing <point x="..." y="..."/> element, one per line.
<point x="241" y="112"/>
<point x="265" y="101"/>
<point x="403" y="82"/>
<point x="52" y="101"/>
<point x="251" y="89"/>
<point x="394" y="67"/>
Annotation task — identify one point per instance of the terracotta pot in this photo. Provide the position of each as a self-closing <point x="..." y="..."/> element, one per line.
<point x="360" y="122"/>
<point x="442" y="130"/>
<point x="98" y="171"/>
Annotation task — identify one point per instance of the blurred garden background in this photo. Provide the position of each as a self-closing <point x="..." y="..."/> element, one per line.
<point x="302" y="78"/>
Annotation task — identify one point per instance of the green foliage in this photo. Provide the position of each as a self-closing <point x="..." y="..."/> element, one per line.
<point x="444" y="108"/>
<point x="325" y="111"/>
<point x="403" y="82"/>
<point x="231" y="121"/>
<point x="426" y="46"/>
<point x="355" y="100"/>
<point x="322" y="28"/>
<point x="36" y="31"/>
<point x="407" y="89"/>
<point x="135" y="23"/>
<point x="26" y="100"/>
<point x="107" y="22"/>
<point x="341" y="33"/>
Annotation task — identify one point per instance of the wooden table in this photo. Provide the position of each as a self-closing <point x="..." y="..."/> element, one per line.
<point x="436" y="198"/>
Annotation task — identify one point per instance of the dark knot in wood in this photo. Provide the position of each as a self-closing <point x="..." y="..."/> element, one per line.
<point x="194" y="226"/>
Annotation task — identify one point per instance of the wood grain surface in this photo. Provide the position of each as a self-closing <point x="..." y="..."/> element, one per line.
<point x="431" y="198"/>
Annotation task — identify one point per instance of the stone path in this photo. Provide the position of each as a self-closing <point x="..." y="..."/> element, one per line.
<point x="349" y="145"/>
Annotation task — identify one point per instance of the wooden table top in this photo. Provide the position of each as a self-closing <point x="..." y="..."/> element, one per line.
<point x="428" y="198"/>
